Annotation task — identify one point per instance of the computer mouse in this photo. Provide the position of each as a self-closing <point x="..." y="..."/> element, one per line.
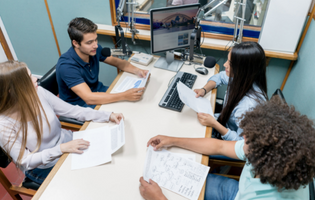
<point x="202" y="70"/>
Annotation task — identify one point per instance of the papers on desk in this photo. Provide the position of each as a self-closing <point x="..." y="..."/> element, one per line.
<point x="104" y="142"/>
<point x="188" y="97"/>
<point x="175" y="172"/>
<point x="131" y="82"/>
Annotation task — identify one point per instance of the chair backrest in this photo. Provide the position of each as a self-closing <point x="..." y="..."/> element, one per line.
<point x="280" y="94"/>
<point x="13" y="191"/>
<point x="4" y="159"/>
<point x="312" y="190"/>
<point x="49" y="81"/>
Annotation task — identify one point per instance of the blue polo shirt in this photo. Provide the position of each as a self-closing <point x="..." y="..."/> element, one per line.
<point x="71" y="70"/>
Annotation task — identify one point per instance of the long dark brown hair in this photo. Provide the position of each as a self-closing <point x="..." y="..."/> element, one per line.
<point x="18" y="95"/>
<point x="247" y="67"/>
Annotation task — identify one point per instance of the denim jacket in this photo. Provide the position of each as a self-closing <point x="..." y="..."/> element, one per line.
<point x="247" y="103"/>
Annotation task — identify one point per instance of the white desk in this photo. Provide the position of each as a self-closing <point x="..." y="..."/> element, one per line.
<point x="143" y="120"/>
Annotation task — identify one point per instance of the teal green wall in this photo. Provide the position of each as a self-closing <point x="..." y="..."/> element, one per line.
<point x="29" y="29"/>
<point x="300" y="87"/>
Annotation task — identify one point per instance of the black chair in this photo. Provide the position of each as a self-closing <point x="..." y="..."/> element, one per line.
<point x="27" y="188"/>
<point x="49" y="82"/>
<point x="312" y="190"/>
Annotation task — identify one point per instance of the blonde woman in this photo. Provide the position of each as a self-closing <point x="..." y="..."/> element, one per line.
<point x="30" y="131"/>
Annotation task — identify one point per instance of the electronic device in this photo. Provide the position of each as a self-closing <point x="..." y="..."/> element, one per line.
<point x="196" y="34"/>
<point x="209" y="62"/>
<point x="202" y="70"/>
<point x="114" y="52"/>
<point x="142" y="58"/>
<point x="171" y="100"/>
<point x="171" y="28"/>
<point x="106" y="52"/>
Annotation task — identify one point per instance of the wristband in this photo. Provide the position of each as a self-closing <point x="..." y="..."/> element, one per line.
<point x="204" y="90"/>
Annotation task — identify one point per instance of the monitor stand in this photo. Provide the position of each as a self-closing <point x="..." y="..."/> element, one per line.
<point x="169" y="63"/>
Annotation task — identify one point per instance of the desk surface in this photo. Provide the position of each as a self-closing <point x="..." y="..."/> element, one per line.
<point x="119" y="179"/>
<point x="208" y="43"/>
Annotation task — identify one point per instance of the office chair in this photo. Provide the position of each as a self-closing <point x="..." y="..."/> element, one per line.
<point x="218" y="160"/>
<point x="312" y="190"/>
<point x="27" y="188"/>
<point x="49" y="82"/>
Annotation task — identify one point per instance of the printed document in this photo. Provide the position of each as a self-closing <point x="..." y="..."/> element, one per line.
<point x="131" y="82"/>
<point x="117" y="134"/>
<point x="175" y="172"/>
<point x="188" y="97"/>
<point x="104" y="142"/>
<point x="99" y="151"/>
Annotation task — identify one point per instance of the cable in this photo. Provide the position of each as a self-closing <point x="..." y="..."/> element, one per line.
<point x="171" y="80"/>
<point x="141" y="45"/>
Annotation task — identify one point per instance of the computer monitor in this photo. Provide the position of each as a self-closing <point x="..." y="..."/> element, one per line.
<point x="170" y="29"/>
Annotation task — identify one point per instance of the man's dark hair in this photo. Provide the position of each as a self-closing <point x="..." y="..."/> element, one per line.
<point x="79" y="26"/>
<point x="281" y="144"/>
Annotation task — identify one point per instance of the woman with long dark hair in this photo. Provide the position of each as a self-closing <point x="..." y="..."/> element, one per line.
<point x="30" y="132"/>
<point x="245" y="76"/>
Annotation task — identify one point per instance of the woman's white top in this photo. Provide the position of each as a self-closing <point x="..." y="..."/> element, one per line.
<point x="49" y="151"/>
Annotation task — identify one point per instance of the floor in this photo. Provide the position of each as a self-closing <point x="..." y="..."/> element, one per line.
<point x="15" y="176"/>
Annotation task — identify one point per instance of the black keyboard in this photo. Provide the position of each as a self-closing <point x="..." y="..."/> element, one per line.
<point x="171" y="99"/>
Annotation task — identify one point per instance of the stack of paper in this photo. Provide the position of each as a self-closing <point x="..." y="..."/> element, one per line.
<point x="188" y="97"/>
<point x="175" y="172"/>
<point x="131" y="82"/>
<point x="104" y="142"/>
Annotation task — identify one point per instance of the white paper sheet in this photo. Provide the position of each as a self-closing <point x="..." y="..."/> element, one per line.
<point x="131" y="82"/>
<point x="117" y="133"/>
<point x="175" y="173"/>
<point x="188" y="97"/>
<point x="99" y="151"/>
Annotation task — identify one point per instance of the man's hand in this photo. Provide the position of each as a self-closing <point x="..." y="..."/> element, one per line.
<point x="141" y="73"/>
<point x="160" y="141"/>
<point x="206" y="119"/>
<point x="74" y="146"/>
<point x="151" y="190"/>
<point x="116" y="117"/>
<point x="134" y="94"/>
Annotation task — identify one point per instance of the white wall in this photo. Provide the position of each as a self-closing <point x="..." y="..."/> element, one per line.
<point x="3" y="57"/>
<point x="283" y="25"/>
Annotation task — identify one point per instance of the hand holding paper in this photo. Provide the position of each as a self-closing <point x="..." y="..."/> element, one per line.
<point x="188" y="97"/>
<point x="206" y="119"/>
<point x="131" y="82"/>
<point x="103" y="142"/>
<point x="175" y="172"/>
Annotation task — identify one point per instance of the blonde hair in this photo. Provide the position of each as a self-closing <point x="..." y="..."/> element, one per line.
<point x="18" y="95"/>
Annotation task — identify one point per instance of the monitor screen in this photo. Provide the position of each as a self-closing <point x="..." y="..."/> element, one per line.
<point x="171" y="27"/>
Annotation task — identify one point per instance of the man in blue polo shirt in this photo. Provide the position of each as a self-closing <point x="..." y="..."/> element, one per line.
<point x="77" y="70"/>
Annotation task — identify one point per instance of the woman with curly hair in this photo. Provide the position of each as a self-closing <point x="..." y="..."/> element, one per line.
<point x="245" y="76"/>
<point x="30" y="132"/>
<point x="279" y="150"/>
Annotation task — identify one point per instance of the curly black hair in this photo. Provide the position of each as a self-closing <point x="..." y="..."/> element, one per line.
<point x="281" y="144"/>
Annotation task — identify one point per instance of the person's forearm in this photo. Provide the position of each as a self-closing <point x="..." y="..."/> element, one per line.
<point x="127" y="67"/>
<point x="221" y="129"/>
<point x="206" y="146"/>
<point x="209" y="86"/>
<point x="96" y="98"/>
